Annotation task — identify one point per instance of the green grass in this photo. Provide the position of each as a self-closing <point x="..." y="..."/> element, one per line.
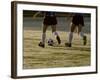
<point x="57" y="55"/>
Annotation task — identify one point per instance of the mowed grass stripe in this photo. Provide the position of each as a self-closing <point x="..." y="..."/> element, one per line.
<point x="54" y="56"/>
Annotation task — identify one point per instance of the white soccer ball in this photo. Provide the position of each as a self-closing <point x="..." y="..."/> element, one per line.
<point x="50" y="42"/>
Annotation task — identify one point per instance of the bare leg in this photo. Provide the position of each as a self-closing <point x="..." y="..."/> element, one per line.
<point x="80" y="30"/>
<point x="73" y="26"/>
<point x="82" y="34"/>
<point x="55" y="33"/>
<point x="44" y="33"/>
<point x="42" y="43"/>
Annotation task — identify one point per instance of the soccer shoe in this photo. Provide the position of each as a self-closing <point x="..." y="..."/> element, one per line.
<point x="84" y="40"/>
<point x="58" y="39"/>
<point x="41" y="45"/>
<point x="68" y="44"/>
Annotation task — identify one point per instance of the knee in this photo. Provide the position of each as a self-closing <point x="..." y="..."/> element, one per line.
<point x="55" y="33"/>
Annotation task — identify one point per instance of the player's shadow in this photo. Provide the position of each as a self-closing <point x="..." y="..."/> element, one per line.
<point x="79" y="48"/>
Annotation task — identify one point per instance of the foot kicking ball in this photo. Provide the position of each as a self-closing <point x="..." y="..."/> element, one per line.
<point x="50" y="42"/>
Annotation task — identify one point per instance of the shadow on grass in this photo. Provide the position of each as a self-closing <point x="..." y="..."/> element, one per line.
<point x="72" y="48"/>
<point x="80" y="48"/>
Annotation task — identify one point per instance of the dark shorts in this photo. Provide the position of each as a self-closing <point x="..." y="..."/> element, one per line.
<point x="78" y="19"/>
<point x="50" y="20"/>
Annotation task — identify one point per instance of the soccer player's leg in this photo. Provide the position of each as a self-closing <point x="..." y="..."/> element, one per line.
<point x="69" y="44"/>
<point x="84" y="40"/>
<point x="56" y="34"/>
<point x="42" y="43"/>
<point x="82" y="34"/>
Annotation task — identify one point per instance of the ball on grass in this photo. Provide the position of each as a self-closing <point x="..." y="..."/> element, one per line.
<point x="50" y="42"/>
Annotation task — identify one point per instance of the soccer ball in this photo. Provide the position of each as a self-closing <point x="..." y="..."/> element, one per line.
<point x="50" y="42"/>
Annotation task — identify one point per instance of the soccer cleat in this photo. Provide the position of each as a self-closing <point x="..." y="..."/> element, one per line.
<point x="68" y="44"/>
<point x="84" y="40"/>
<point x="58" y="39"/>
<point x="41" y="45"/>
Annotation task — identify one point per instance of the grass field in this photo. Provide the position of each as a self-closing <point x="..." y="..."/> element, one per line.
<point x="57" y="55"/>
